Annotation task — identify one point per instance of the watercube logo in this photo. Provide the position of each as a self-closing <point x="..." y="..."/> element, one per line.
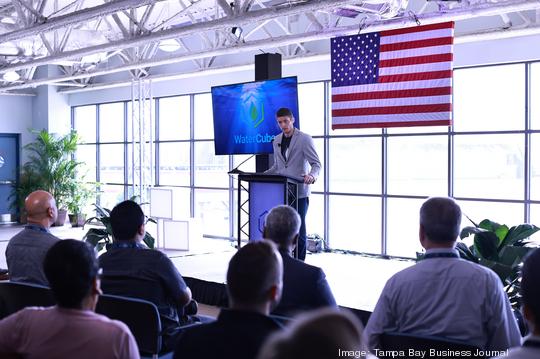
<point x="254" y="115"/>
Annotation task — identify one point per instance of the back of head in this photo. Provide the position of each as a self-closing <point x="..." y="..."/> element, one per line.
<point x="41" y="208"/>
<point x="253" y="271"/>
<point x="282" y="225"/>
<point x="530" y="285"/>
<point x="70" y="267"/>
<point x="284" y="112"/>
<point x="320" y="334"/>
<point x="126" y="219"/>
<point x="440" y="217"/>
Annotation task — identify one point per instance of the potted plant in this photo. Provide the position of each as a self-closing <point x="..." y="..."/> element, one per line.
<point x="101" y="238"/>
<point x="28" y="183"/>
<point x="50" y="167"/>
<point x="501" y="249"/>
<point x="78" y="200"/>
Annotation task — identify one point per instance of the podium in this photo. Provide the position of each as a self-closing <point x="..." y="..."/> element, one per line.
<point x="257" y="195"/>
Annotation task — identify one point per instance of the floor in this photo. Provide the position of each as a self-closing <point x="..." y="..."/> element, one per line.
<point x="356" y="281"/>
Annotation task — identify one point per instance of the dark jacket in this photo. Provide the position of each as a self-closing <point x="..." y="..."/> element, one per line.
<point x="234" y="335"/>
<point x="304" y="287"/>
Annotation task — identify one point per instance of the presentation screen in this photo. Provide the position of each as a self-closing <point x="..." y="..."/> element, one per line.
<point x="244" y="114"/>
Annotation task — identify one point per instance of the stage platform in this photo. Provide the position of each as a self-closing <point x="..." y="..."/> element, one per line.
<point x="356" y="280"/>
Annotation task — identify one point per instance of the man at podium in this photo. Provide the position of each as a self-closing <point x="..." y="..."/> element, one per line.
<point x="295" y="156"/>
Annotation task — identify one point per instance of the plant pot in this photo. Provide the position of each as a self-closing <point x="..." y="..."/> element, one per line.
<point x="77" y="220"/>
<point x="61" y="219"/>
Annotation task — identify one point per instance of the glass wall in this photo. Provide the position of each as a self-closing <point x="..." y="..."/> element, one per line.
<point x="367" y="198"/>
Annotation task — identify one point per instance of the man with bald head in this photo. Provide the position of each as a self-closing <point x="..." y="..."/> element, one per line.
<point x="304" y="286"/>
<point x="26" y="250"/>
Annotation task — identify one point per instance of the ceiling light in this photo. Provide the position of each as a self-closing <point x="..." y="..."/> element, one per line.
<point x="169" y="45"/>
<point x="11" y="76"/>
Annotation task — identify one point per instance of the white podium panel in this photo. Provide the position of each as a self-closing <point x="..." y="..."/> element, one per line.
<point x="177" y="234"/>
<point x="169" y="203"/>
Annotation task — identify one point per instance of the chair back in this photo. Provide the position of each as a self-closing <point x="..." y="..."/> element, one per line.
<point x="141" y="316"/>
<point x="403" y="343"/>
<point x="15" y="296"/>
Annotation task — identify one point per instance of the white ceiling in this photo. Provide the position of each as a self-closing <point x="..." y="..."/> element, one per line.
<point x="89" y="39"/>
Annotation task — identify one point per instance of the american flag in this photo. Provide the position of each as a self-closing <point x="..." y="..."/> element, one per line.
<point x="392" y="78"/>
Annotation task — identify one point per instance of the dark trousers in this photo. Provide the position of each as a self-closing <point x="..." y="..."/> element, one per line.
<point x="303" y="204"/>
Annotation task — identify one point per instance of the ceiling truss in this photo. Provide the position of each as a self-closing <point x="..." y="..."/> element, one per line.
<point x="89" y="39"/>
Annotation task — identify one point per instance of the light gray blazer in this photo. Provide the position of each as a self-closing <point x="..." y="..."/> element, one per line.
<point x="302" y="160"/>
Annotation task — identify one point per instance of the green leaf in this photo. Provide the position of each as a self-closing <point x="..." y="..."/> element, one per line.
<point x="501" y="232"/>
<point x="149" y="240"/>
<point x="465" y="252"/>
<point x="517" y="234"/>
<point x="513" y="256"/>
<point x="489" y="225"/>
<point x="486" y="244"/>
<point x="467" y="231"/>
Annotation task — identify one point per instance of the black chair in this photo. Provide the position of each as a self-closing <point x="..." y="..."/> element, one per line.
<point x="141" y="316"/>
<point x="403" y="344"/>
<point x="16" y="296"/>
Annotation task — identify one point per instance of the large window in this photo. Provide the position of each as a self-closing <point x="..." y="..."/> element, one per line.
<point x="373" y="181"/>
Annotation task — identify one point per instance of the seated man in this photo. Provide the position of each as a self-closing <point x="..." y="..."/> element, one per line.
<point x="130" y="269"/>
<point x="254" y="281"/>
<point x="530" y="292"/>
<point x="71" y="329"/>
<point x="443" y="295"/>
<point x="26" y="250"/>
<point x="304" y="286"/>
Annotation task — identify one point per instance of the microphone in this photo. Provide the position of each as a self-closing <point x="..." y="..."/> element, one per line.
<point x="236" y="170"/>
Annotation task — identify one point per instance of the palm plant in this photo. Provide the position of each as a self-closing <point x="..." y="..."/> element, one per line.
<point x="102" y="237"/>
<point x="501" y="249"/>
<point x="50" y="160"/>
<point x="50" y="167"/>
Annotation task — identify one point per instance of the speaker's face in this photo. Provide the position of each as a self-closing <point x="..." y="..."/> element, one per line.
<point x="286" y="124"/>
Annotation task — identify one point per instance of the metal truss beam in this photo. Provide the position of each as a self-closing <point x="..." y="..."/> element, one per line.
<point x="242" y="19"/>
<point x="74" y="18"/>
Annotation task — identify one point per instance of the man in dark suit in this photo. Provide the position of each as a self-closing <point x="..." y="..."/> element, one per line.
<point x="304" y="286"/>
<point x="254" y="282"/>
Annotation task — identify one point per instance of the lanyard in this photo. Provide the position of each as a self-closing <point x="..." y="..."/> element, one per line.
<point x="133" y="245"/>
<point x="33" y="227"/>
<point x="440" y="255"/>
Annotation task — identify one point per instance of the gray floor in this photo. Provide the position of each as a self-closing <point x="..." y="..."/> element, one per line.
<point x="356" y="281"/>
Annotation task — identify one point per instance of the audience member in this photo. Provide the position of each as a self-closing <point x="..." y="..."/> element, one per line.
<point x="530" y="291"/>
<point x="26" y="250"/>
<point x="304" y="286"/>
<point x="71" y="329"/>
<point x="254" y="281"/>
<point x="321" y="334"/>
<point x="131" y="269"/>
<point x="443" y="295"/>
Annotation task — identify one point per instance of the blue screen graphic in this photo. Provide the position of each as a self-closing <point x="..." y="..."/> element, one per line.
<point x="244" y="114"/>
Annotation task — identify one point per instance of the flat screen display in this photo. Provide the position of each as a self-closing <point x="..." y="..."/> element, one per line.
<point x="244" y="114"/>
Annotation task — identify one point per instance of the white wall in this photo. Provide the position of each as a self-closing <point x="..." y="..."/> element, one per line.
<point x="50" y="109"/>
<point x="16" y="116"/>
